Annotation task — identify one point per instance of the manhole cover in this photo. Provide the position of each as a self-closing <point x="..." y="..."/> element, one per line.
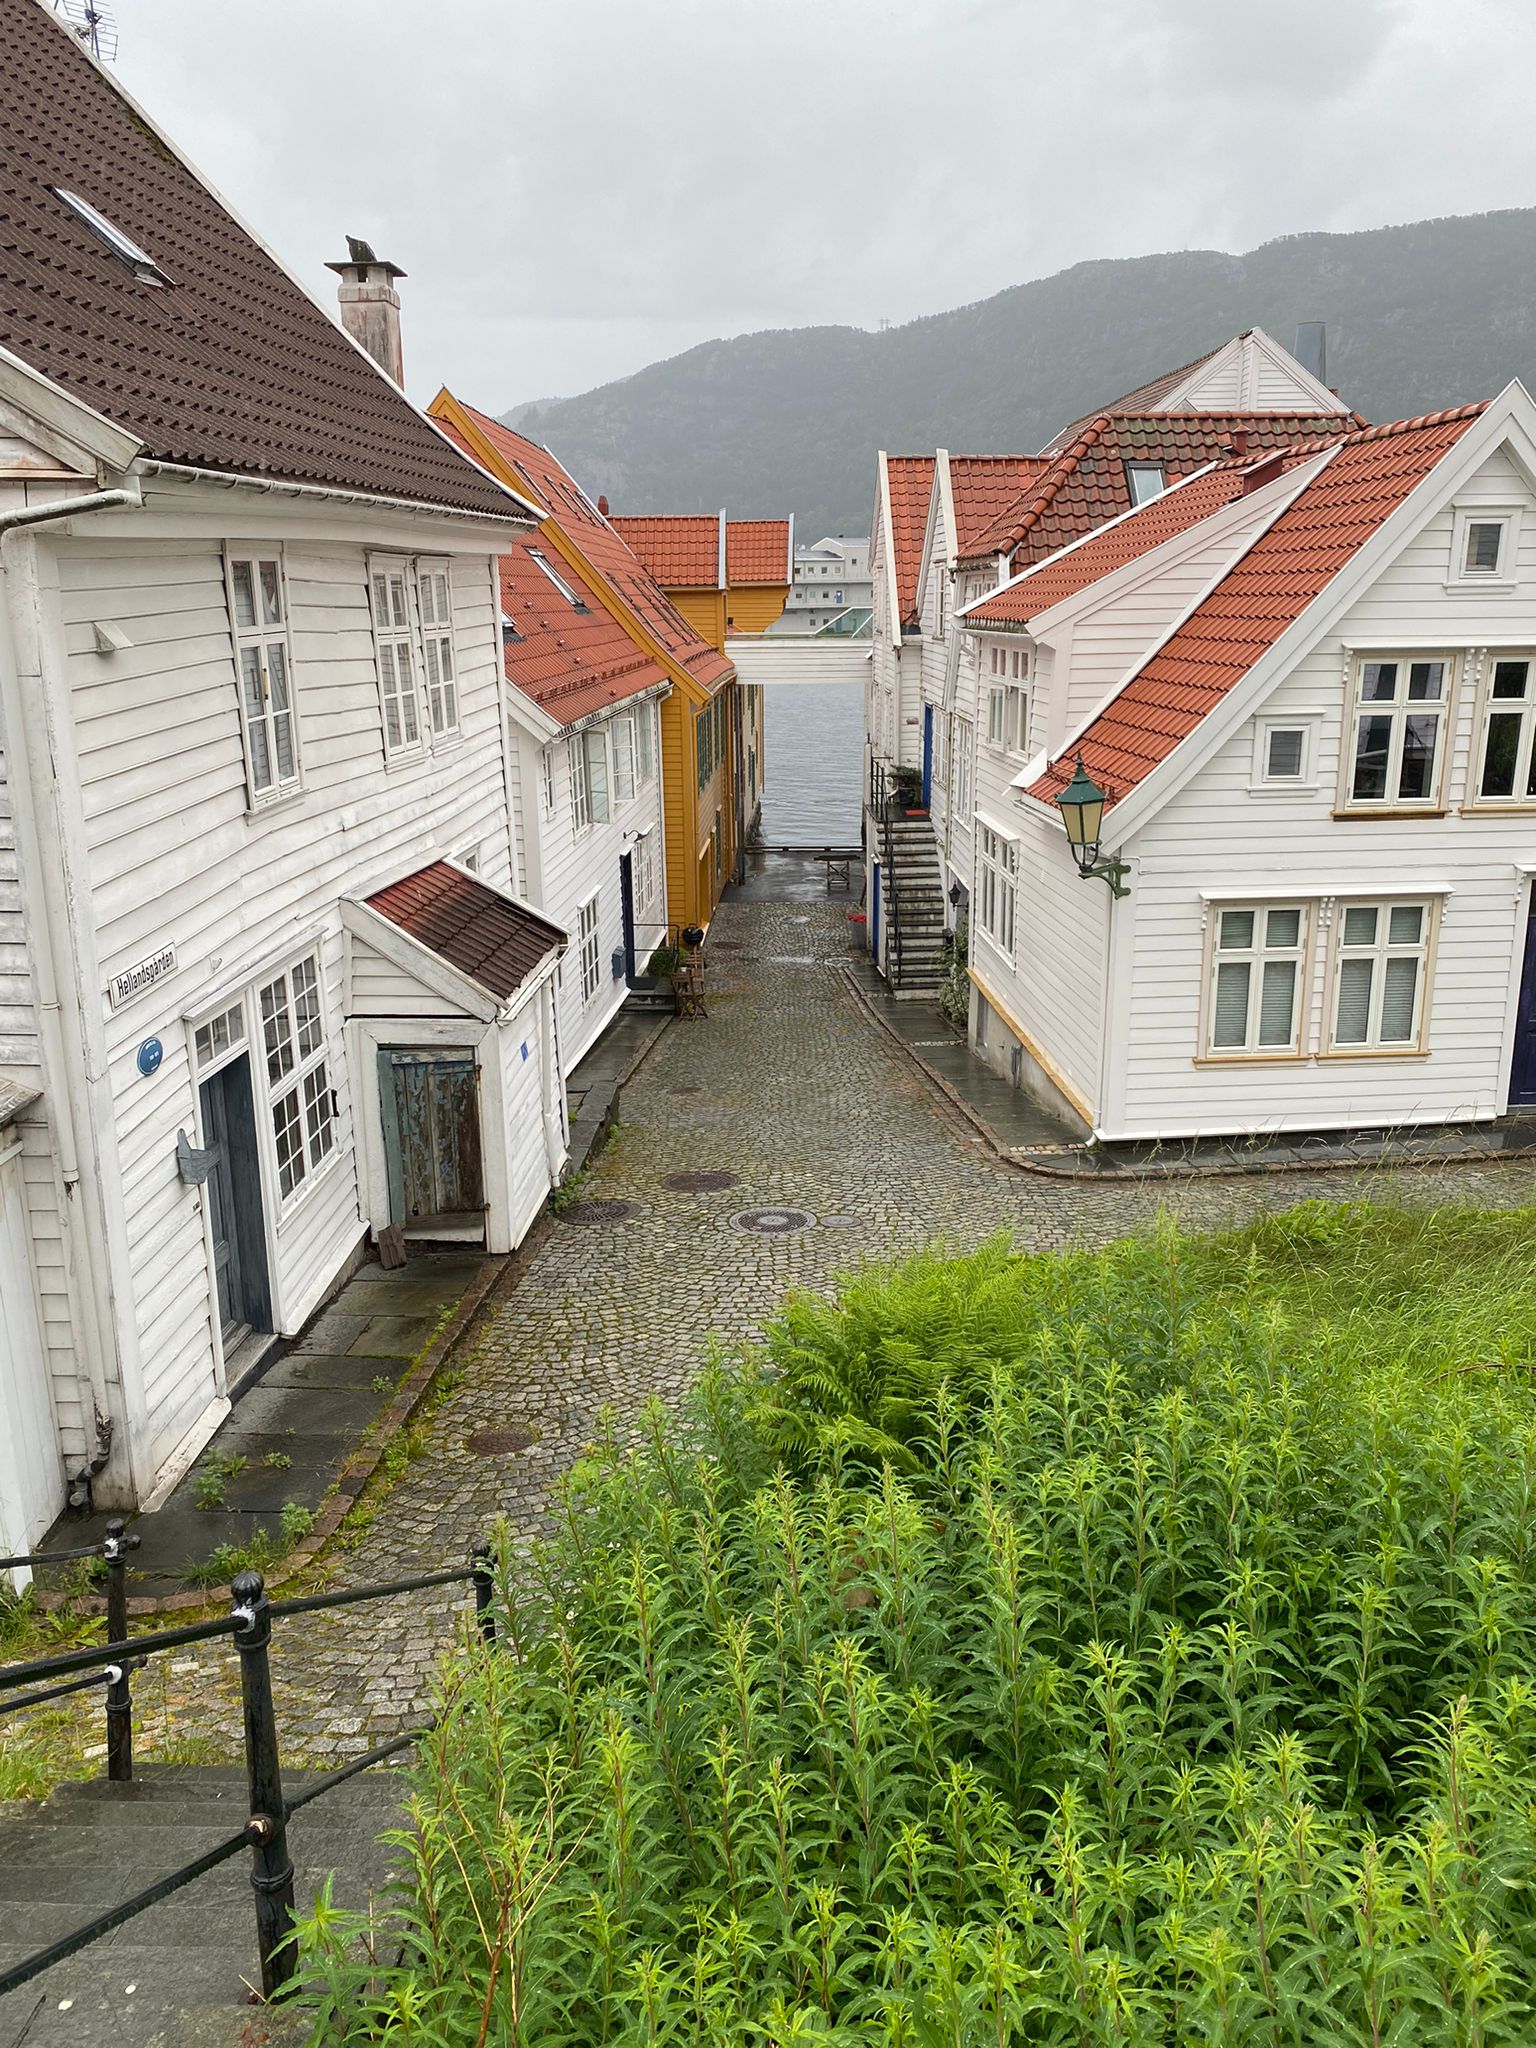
<point x="498" y="1443"/>
<point x="772" y="1222"/>
<point x="598" y="1209"/>
<point x="841" y="1222"/>
<point x="700" y="1180"/>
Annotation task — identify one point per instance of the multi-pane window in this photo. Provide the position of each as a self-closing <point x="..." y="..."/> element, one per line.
<point x="218" y="1035"/>
<point x="645" y="744"/>
<point x="1010" y="661"/>
<point x="623" y="759"/>
<point x="647" y="875"/>
<point x="587" y="948"/>
<point x="1256" y="978"/>
<point x="997" y="865"/>
<point x="1399" y="732"/>
<point x="588" y="752"/>
<point x="549" y="781"/>
<point x="298" y="1083"/>
<point x="960" y="767"/>
<point x="1507" y="772"/>
<point x="389" y="589"/>
<point x="1008" y="718"/>
<point x="435" y="593"/>
<point x="259" y="618"/>
<point x="1379" y="962"/>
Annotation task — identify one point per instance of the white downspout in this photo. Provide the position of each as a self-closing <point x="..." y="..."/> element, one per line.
<point x="39" y="732"/>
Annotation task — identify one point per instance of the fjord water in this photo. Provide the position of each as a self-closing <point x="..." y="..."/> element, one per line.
<point x="814" y="768"/>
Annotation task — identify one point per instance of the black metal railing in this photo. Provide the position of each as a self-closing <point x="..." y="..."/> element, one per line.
<point x="882" y="792"/>
<point x="265" y="1833"/>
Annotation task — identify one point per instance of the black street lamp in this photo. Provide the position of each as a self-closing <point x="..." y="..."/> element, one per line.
<point x="1082" y="812"/>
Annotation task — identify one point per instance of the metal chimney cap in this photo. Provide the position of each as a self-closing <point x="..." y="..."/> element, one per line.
<point x="360" y="254"/>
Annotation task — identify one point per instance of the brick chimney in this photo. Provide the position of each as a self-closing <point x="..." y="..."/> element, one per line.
<point x="370" y="305"/>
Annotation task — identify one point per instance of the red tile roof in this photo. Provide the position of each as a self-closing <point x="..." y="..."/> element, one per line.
<point x="569" y="508"/>
<point x="909" y="482"/>
<point x="1290" y="564"/>
<point x="231" y="366"/>
<point x="570" y="661"/>
<point x="1062" y="576"/>
<point x="681" y="550"/>
<point x="757" y="551"/>
<point x="983" y="487"/>
<point x="1085" y="485"/>
<point x="477" y="930"/>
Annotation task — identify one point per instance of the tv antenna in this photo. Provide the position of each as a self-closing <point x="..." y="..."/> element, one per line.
<point x="93" y="24"/>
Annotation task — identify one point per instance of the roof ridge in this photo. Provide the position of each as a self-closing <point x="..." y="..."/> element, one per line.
<point x="1059" y="468"/>
<point x="1426" y="419"/>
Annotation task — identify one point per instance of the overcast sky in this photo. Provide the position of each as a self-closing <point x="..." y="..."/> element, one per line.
<point x="577" y="187"/>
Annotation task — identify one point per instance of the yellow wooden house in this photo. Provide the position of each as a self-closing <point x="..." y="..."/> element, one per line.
<point x="705" y="814"/>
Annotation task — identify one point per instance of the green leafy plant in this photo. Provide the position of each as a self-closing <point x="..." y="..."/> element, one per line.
<point x="955" y="988"/>
<point x="277" y="1461"/>
<point x="1167" y="1681"/>
<point x="570" y="1190"/>
<point x="260" y="1554"/>
<point x="664" y="962"/>
<point x="214" y="1475"/>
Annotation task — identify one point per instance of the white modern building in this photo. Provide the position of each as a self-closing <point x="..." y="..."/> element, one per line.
<point x="831" y="580"/>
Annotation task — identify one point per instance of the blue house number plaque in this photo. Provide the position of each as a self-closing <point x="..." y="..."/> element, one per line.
<point x="151" y="1053"/>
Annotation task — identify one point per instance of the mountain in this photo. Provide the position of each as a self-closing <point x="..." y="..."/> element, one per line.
<point x="1419" y="317"/>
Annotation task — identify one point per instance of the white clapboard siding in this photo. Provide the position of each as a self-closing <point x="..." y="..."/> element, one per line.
<point x="43" y="1198"/>
<point x="19" y="1052"/>
<point x="576" y="865"/>
<point x="381" y="988"/>
<point x="523" y="1114"/>
<point x="1216" y="832"/>
<point x="175" y="855"/>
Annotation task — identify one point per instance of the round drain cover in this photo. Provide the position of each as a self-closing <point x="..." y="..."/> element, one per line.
<point x="599" y="1209"/>
<point x="498" y="1443"/>
<point x="772" y="1222"/>
<point x="701" y="1180"/>
<point x="841" y="1222"/>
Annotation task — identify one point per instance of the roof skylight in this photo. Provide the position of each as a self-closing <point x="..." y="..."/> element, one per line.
<point x="558" y="580"/>
<point x="139" y="261"/>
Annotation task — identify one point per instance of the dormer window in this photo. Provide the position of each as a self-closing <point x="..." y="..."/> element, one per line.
<point x="139" y="261"/>
<point x="557" y="579"/>
<point x="1144" y="480"/>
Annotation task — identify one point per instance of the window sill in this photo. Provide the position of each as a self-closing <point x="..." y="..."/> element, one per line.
<point x="403" y="757"/>
<point x="315" y="1180"/>
<point x="445" y="742"/>
<point x="1353" y="815"/>
<point x="1496" y="807"/>
<point x="1292" y="1058"/>
<point x="1375" y="1052"/>
<point x="1468" y="586"/>
<point x="1284" y="789"/>
<point x="265" y="806"/>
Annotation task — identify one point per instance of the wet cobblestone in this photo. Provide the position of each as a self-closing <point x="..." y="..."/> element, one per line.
<point x="789" y="1089"/>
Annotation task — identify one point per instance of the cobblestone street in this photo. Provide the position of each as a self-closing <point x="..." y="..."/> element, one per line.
<point x="788" y="1087"/>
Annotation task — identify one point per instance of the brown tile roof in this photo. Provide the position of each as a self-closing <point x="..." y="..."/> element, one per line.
<point x="1086" y="484"/>
<point x="983" y="487"/>
<point x="230" y="366"/>
<point x="477" y="930"/>
<point x="1062" y="576"/>
<point x="681" y="550"/>
<point x="909" y="482"/>
<point x="1290" y="564"/>
<point x="757" y="551"/>
<point x="1145" y="398"/>
<point x="569" y="508"/>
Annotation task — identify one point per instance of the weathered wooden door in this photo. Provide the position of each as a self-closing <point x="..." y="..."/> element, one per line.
<point x="31" y="1474"/>
<point x="431" y="1105"/>
<point x="1522" y="1073"/>
<point x="627" y="911"/>
<point x="233" y="1192"/>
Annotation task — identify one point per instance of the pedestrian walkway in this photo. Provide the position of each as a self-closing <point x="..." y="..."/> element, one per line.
<point x="770" y="1145"/>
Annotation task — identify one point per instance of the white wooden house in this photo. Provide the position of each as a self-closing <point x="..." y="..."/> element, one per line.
<point x="586" y="681"/>
<point x="260" y="939"/>
<point x="1307" y="685"/>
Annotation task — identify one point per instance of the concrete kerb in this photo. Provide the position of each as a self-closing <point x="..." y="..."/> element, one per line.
<point x="1152" y="1170"/>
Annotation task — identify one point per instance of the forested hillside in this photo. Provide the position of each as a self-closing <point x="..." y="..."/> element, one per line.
<point x="1423" y="316"/>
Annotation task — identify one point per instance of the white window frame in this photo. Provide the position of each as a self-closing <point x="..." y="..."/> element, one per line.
<point x="995" y="901"/>
<point x="1521" y="797"/>
<point x="645" y="745"/>
<point x="646" y="869"/>
<point x="1262" y="782"/>
<point x="960" y="763"/>
<point x="300" y="1095"/>
<point x="434" y="602"/>
<point x="1460" y="577"/>
<point x="1398" y="709"/>
<point x="590" y="780"/>
<point x="1380" y="950"/>
<point x="622" y="759"/>
<point x="538" y="556"/>
<point x="1262" y="951"/>
<point x="547" y="756"/>
<point x="589" y="947"/>
<point x="1008" y="719"/>
<point x="396" y="645"/>
<point x="254" y="648"/>
<point x="1136" y="472"/>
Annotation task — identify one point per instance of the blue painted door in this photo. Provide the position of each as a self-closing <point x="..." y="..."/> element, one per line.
<point x="1522" y="1073"/>
<point x="927" y="756"/>
<point x="874" y="917"/>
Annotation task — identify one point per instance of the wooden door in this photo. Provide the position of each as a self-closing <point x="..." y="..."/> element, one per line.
<point x="431" y="1108"/>
<point x="927" y="756"/>
<point x="31" y="1474"/>
<point x="233" y="1194"/>
<point x="1522" y="1073"/>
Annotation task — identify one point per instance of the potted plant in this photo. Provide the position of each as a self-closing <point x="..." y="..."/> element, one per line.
<point x="664" y="962"/>
<point x="906" y="785"/>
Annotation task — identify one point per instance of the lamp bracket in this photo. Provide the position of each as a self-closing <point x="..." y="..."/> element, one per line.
<point x="1110" y="872"/>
